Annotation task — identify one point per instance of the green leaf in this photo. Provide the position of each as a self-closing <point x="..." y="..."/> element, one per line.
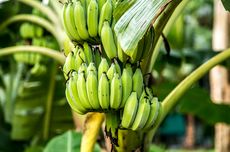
<point x="133" y="24"/>
<point x="197" y="102"/>
<point x="122" y="7"/>
<point x="226" y="4"/>
<point x="67" y="142"/>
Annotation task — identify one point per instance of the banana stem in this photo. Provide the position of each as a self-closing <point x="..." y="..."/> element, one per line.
<point x="44" y="9"/>
<point x="42" y="50"/>
<point x="170" y="101"/>
<point x="92" y="127"/>
<point x="37" y="20"/>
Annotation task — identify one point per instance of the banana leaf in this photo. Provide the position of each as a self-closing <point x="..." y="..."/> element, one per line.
<point x="133" y="24"/>
<point x="226" y="4"/>
<point x="69" y="142"/>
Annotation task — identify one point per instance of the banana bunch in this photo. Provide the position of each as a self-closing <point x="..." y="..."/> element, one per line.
<point x="80" y="54"/>
<point x="141" y="113"/>
<point x="83" y="19"/>
<point x="103" y="87"/>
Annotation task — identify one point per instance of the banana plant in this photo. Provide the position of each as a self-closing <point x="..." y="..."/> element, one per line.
<point x="114" y="38"/>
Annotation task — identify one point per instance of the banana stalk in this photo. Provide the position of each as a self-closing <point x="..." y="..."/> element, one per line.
<point x="91" y="129"/>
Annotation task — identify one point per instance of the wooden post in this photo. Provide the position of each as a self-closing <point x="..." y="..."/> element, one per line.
<point x="219" y="76"/>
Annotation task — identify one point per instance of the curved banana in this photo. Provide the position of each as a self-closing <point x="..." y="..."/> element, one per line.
<point x="130" y="111"/>
<point x="88" y="52"/>
<point x="92" y="67"/>
<point x="73" y="90"/>
<point x="138" y="82"/>
<point x="103" y="67"/>
<point x="142" y="114"/>
<point x="78" y="60"/>
<point x="82" y="54"/>
<point x="82" y="92"/>
<point x="69" y="64"/>
<point x="68" y="20"/>
<point x="115" y="92"/>
<point x="80" y="20"/>
<point x="105" y="15"/>
<point x="154" y="112"/>
<point x="103" y="92"/>
<point x="70" y="100"/>
<point x="117" y="66"/>
<point x="64" y="22"/>
<point x="111" y="71"/>
<point x="92" y="89"/>
<point x="108" y="40"/>
<point x="92" y="18"/>
<point x="127" y="85"/>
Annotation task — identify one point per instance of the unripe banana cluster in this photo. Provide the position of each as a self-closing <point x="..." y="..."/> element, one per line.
<point x="141" y="113"/>
<point x="108" y="83"/>
<point x="92" y="21"/>
<point x="83" y="19"/>
<point x="108" y="86"/>
<point x="32" y="34"/>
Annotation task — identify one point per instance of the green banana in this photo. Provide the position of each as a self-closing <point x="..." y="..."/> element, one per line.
<point x="83" y="68"/>
<point x="39" y="31"/>
<point x="105" y="15"/>
<point x="82" y="54"/>
<point x="88" y="52"/>
<point x="74" y="92"/>
<point x="117" y="66"/>
<point x="69" y="64"/>
<point x="70" y="99"/>
<point x="92" y="18"/>
<point x="115" y="92"/>
<point x="129" y="68"/>
<point x="82" y="91"/>
<point x="121" y="54"/>
<point x="100" y="5"/>
<point x="127" y="85"/>
<point x="80" y="20"/>
<point x="38" y="69"/>
<point x="92" y="67"/>
<point x="103" y="92"/>
<point x="103" y="67"/>
<point x="68" y="20"/>
<point x="138" y="82"/>
<point x="108" y="40"/>
<point x="97" y="56"/>
<point x="154" y="112"/>
<point x="142" y="114"/>
<point x="111" y="71"/>
<point x="130" y="111"/>
<point x="77" y="61"/>
<point x="92" y="89"/>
